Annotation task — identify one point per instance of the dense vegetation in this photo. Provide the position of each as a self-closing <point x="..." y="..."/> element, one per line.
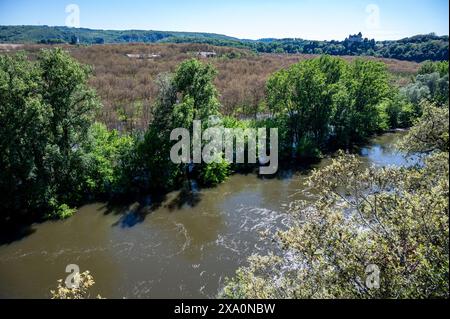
<point x="393" y="218"/>
<point x="128" y="88"/>
<point x="318" y="95"/>
<point x="45" y="115"/>
<point x="54" y="155"/>
<point x="417" y="48"/>
<point x="391" y="223"/>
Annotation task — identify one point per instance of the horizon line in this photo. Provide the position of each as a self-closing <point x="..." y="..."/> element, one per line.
<point x="205" y="32"/>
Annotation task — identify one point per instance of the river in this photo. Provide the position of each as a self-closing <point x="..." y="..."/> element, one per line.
<point x="183" y="247"/>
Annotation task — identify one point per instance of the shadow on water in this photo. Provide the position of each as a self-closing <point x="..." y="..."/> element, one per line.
<point x="10" y="234"/>
<point x="135" y="211"/>
<point x="187" y="196"/>
<point x="181" y="244"/>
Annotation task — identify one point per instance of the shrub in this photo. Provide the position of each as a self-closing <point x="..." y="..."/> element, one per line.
<point x="107" y="154"/>
<point x="85" y="283"/>
<point x="214" y="173"/>
<point x="393" y="220"/>
<point x="59" y="211"/>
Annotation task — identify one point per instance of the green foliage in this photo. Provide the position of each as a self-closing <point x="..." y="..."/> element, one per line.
<point x="62" y="211"/>
<point x="58" y="34"/>
<point x="187" y="95"/>
<point x="302" y="95"/>
<point x="71" y="106"/>
<point x="367" y="84"/>
<point x="327" y="98"/>
<point x="431" y="84"/>
<point x="214" y="173"/>
<point x="396" y="219"/>
<point x="429" y="67"/>
<point x="232" y="122"/>
<point x="430" y="133"/>
<point x="194" y="81"/>
<point x="306" y="149"/>
<point x="107" y="155"/>
<point x="23" y="139"/>
<point x="396" y="112"/>
<point x="416" y="48"/>
<point x="46" y="109"/>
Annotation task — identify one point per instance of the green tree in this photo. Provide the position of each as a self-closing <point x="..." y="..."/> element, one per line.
<point x="71" y="105"/>
<point x="46" y="111"/>
<point x="185" y="96"/>
<point x="194" y="80"/>
<point x="431" y="83"/>
<point x="327" y="98"/>
<point x="158" y="171"/>
<point x="397" y="112"/>
<point x="303" y="96"/>
<point x="365" y="85"/>
<point x="108" y="156"/>
<point x="24" y="120"/>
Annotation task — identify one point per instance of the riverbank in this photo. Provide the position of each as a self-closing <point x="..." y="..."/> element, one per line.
<point x="183" y="247"/>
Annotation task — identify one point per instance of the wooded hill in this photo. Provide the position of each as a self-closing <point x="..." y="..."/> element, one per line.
<point x="417" y="48"/>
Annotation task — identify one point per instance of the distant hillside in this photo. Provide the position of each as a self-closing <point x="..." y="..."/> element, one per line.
<point x="417" y="48"/>
<point x="46" y="34"/>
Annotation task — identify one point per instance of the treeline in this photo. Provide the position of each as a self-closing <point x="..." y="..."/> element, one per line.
<point x="53" y="156"/>
<point x="58" y="34"/>
<point x="417" y="48"/>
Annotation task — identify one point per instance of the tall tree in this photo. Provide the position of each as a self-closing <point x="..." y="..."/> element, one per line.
<point x="46" y="108"/>
<point x="71" y="104"/>
<point x="23" y="136"/>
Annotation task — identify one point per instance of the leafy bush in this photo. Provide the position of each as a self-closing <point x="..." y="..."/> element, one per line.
<point x="429" y="67"/>
<point x="430" y="132"/>
<point x="397" y="112"/>
<point x="60" y="211"/>
<point x="85" y="282"/>
<point x="107" y="155"/>
<point x="393" y="220"/>
<point x="432" y="84"/>
<point x="214" y="173"/>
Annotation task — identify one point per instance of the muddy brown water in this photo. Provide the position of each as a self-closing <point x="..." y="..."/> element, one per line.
<point x="183" y="249"/>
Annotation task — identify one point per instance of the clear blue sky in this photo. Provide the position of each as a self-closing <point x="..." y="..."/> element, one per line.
<point x="252" y="19"/>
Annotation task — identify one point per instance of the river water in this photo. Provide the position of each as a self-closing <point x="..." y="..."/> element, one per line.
<point x="184" y="247"/>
